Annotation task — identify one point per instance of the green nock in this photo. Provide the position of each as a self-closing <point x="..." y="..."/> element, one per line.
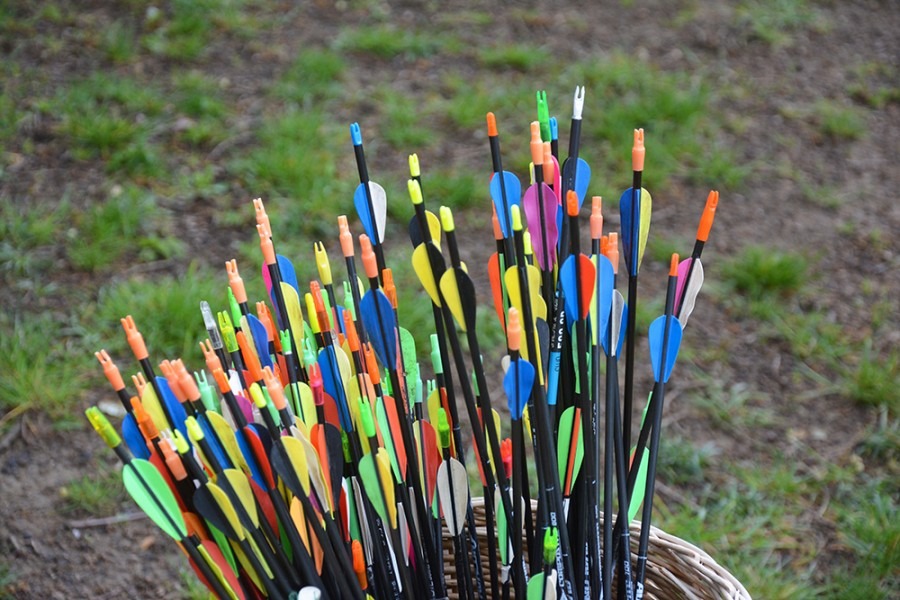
<point x="227" y="330"/>
<point x="365" y="415"/>
<point x="256" y="394"/>
<point x="207" y="394"/>
<point x="234" y="307"/>
<point x="181" y="444"/>
<point x="475" y="384"/>
<point x="443" y="428"/>
<point x="193" y="429"/>
<point x="543" y="112"/>
<point x="551" y="540"/>
<point x="386" y="384"/>
<point x="103" y="427"/>
<point x="345" y="444"/>
<point x="419" y="391"/>
<point x="348" y="300"/>
<point x="285" y="337"/>
<point x="309" y="357"/>
<point x="436" y="355"/>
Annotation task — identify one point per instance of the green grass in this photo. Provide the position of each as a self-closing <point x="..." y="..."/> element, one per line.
<point x="166" y="311"/>
<point x="457" y="190"/>
<point x="838" y="121"/>
<point x="386" y="41"/>
<point x="776" y="21"/>
<point x="96" y="495"/>
<point x="402" y="125"/>
<point x="186" y="30"/>
<point x="761" y="273"/>
<point x="40" y="362"/>
<point x="27" y="235"/>
<point x="118" y="43"/>
<point x="315" y="76"/>
<point x="875" y="380"/>
<point x="520" y="57"/>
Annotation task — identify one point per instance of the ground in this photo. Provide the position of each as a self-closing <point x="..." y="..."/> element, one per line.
<point x="133" y="137"/>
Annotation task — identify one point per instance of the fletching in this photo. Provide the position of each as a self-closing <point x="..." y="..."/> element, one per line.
<point x="241" y="486"/>
<point x="374" y="471"/>
<point x="432" y="456"/>
<point x="133" y="437"/>
<point x="517" y="384"/>
<point x="570" y="449"/>
<point x="452" y="474"/>
<point x="291" y="466"/>
<point x="220" y="568"/>
<point x="634" y="234"/>
<point x="379" y="204"/>
<point x="173" y="406"/>
<point x="602" y="306"/>
<point x="422" y="258"/>
<point x="582" y="180"/>
<point x="151" y="404"/>
<point x="333" y="385"/>
<point x="640" y="486"/>
<point x="496" y="287"/>
<point x="655" y="335"/>
<point x="314" y="470"/>
<point x="618" y="316"/>
<point x="260" y="340"/>
<point x="689" y="291"/>
<point x="513" y="197"/>
<point x="288" y="274"/>
<point x="434" y="230"/>
<point x="538" y="306"/>
<point x="577" y="289"/>
<point x="548" y="229"/>
<point x="380" y="323"/>
<point x="150" y="491"/>
<point x="258" y="446"/>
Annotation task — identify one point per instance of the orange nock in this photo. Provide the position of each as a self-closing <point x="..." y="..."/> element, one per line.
<point x="251" y="361"/>
<point x="506" y="455"/>
<point x="673" y="266"/>
<point x="638" y="151"/>
<point x="235" y="281"/>
<point x="319" y="306"/>
<point x="513" y="330"/>
<point x="346" y="237"/>
<point x="221" y="380"/>
<point x="139" y="383"/>
<point x="186" y="380"/>
<point x="168" y="371"/>
<point x="492" y="125"/>
<point x="371" y="364"/>
<point x="498" y="233"/>
<point x="134" y="337"/>
<point x="350" y="329"/>
<point x="537" y="146"/>
<point x="549" y="167"/>
<point x="596" y="217"/>
<point x="261" y="217"/>
<point x="265" y="244"/>
<point x="390" y="290"/>
<point x="265" y="317"/>
<point x="145" y="423"/>
<point x="612" y="251"/>
<point x="209" y="353"/>
<point x="173" y="460"/>
<point x="709" y="213"/>
<point x="110" y="370"/>
<point x="572" y="203"/>
<point x="275" y="389"/>
<point x="370" y="265"/>
<point x="315" y="384"/>
<point x="359" y="563"/>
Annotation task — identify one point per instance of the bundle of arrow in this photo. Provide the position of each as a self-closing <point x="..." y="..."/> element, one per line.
<point x="309" y="461"/>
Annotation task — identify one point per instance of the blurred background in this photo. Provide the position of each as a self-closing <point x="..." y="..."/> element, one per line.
<point x="133" y="136"/>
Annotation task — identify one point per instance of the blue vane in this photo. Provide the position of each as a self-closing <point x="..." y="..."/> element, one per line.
<point x="260" y="340"/>
<point x="630" y="230"/>
<point x="381" y="330"/>
<point x="361" y="202"/>
<point x="513" y="198"/>
<point x="131" y="433"/>
<point x="173" y="406"/>
<point x="244" y="446"/>
<point x="288" y="274"/>
<point x="517" y="384"/>
<point x="582" y="180"/>
<point x="333" y="386"/>
<point x="655" y="335"/>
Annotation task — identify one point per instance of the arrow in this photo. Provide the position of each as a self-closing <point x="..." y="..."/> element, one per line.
<point x="453" y="491"/>
<point x="369" y="199"/>
<point x="665" y="341"/>
<point x="690" y="271"/>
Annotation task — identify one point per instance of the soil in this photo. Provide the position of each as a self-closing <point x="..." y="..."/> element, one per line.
<point x="761" y="83"/>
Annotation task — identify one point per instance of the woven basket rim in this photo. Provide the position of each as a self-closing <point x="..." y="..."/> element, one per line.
<point x="675" y="568"/>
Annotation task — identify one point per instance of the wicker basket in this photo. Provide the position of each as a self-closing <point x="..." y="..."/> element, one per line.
<point x="675" y="569"/>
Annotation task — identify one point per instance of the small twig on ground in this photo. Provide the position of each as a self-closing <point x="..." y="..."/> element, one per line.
<point x="11" y="436"/>
<point x="15" y="412"/>
<point x="102" y="521"/>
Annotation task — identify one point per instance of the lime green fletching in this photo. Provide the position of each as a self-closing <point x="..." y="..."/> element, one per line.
<point x="365" y="415"/>
<point x="371" y="472"/>
<point x="503" y="544"/>
<point x="222" y="542"/>
<point x="150" y="491"/>
<point x="567" y="432"/>
<point x="443" y="428"/>
<point x="640" y="487"/>
<point x="227" y="329"/>
<point x="385" y="427"/>
<point x="535" y="590"/>
<point x="234" y="307"/>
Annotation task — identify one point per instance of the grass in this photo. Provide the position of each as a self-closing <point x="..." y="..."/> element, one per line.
<point x="837" y="121"/>
<point x="875" y="380"/>
<point x="165" y="309"/>
<point x="520" y="57"/>
<point x="96" y="495"/>
<point x="401" y="123"/>
<point x="775" y="21"/>
<point x="186" y="31"/>
<point x="315" y="76"/>
<point x="760" y="273"/>
<point x="27" y="234"/>
<point x="385" y="41"/>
